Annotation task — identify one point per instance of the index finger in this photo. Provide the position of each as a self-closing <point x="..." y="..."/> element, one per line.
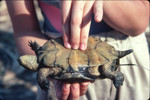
<point x="65" y="7"/>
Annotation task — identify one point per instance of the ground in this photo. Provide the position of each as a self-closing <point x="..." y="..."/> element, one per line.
<point x="17" y="83"/>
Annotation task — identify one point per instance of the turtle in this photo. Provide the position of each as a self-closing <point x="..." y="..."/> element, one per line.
<point x="52" y="60"/>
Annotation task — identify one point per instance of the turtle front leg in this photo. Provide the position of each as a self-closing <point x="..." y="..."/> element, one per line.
<point x="42" y="78"/>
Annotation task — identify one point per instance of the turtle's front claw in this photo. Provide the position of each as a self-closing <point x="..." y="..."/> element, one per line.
<point x="42" y="78"/>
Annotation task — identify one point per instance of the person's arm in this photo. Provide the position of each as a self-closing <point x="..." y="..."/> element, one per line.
<point x="128" y="17"/>
<point x="25" y="25"/>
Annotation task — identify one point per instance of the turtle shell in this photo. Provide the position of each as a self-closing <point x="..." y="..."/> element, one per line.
<point x="54" y="54"/>
<point x="53" y="60"/>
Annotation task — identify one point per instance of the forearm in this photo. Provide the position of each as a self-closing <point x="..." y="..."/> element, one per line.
<point x="23" y="16"/>
<point x="129" y="17"/>
<point x="25" y="25"/>
<point x="22" y="40"/>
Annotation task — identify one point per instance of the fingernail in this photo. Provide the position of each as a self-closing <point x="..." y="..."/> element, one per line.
<point x="98" y="18"/>
<point x="67" y="45"/>
<point x="75" y="46"/>
<point x="82" y="47"/>
<point x="85" y="84"/>
<point x="67" y="86"/>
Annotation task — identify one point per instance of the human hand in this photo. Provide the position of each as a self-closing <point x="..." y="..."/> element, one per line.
<point x="76" y="19"/>
<point x="66" y="91"/>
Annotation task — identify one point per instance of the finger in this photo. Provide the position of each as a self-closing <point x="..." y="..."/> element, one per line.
<point x="65" y="7"/>
<point x="87" y="14"/>
<point x="62" y="90"/>
<point x="98" y="10"/>
<point x="83" y="88"/>
<point x="76" y="20"/>
<point x="65" y="91"/>
<point x="58" y="87"/>
<point x="75" y="91"/>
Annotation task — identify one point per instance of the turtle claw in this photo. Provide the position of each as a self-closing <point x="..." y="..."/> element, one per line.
<point x="42" y="78"/>
<point x="44" y="85"/>
<point x="118" y="80"/>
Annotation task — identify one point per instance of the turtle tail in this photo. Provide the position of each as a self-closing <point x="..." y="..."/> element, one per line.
<point x="34" y="46"/>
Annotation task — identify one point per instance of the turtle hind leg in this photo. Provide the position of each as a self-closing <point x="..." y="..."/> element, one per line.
<point x="116" y="76"/>
<point x="118" y="79"/>
<point x="42" y="80"/>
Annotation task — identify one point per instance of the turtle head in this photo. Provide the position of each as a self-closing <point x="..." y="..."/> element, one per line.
<point x="29" y="62"/>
